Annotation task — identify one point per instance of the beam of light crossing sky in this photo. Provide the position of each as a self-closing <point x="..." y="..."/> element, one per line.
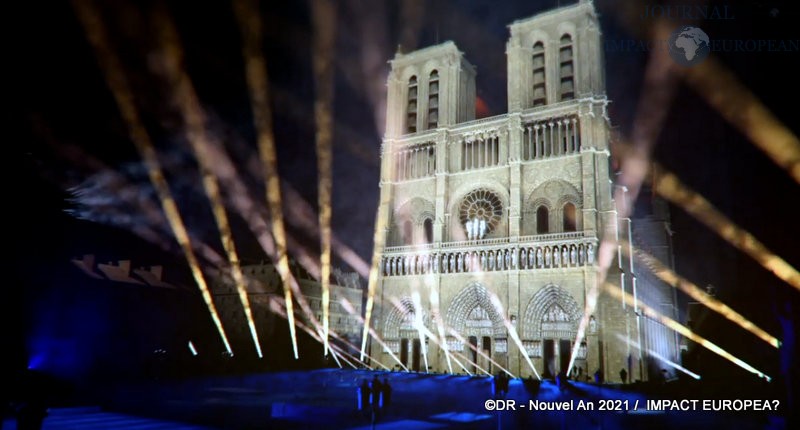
<point x="663" y="359"/>
<point x="658" y="89"/>
<point x="742" y="109"/>
<point x="670" y="187"/>
<point x="348" y="307"/>
<point x="194" y="120"/>
<point x="681" y="329"/>
<point x="323" y="15"/>
<point x="120" y="88"/>
<point x="675" y="280"/>
<point x="512" y="331"/>
<point x="248" y="16"/>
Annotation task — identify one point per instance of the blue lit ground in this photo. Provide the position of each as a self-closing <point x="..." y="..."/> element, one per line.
<point x="327" y="399"/>
<point x="94" y="418"/>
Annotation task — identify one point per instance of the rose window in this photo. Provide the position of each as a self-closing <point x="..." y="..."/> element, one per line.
<point x="480" y="213"/>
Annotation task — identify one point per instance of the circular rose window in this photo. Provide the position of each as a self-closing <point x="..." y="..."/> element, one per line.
<point x="480" y="213"/>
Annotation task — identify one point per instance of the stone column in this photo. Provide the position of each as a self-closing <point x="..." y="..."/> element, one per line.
<point x="441" y="186"/>
<point x="513" y="136"/>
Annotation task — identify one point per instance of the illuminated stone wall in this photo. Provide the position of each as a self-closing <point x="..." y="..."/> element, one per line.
<point x="536" y="181"/>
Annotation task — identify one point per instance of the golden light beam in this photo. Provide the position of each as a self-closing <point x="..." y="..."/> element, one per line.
<point x="440" y="340"/>
<point x="461" y="365"/>
<point x="188" y="103"/>
<point x="742" y="109"/>
<point x="670" y="187"/>
<point x="302" y="216"/>
<point x="472" y="363"/>
<point x="440" y="326"/>
<point x="276" y="307"/>
<point x="114" y="74"/>
<point x="692" y="290"/>
<point x="348" y="307"/>
<point x="421" y="329"/>
<point x="658" y="89"/>
<point x="478" y="351"/>
<point x="655" y="354"/>
<point x="378" y="242"/>
<point x="254" y="214"/>
<point x="681" y="329"/>
<point x="248" y="16"/>
<point x="512" y="331"/>
<point x="323" y="15"/>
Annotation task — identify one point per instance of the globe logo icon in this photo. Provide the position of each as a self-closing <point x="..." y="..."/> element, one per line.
<point x="689" y="45"/>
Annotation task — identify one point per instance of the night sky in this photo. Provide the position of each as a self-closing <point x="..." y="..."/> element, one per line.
<point x="70" y="136"/>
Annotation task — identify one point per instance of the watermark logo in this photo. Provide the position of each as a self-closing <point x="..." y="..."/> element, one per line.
<point x="687" y="11"/>
<point x="689" y="45"/>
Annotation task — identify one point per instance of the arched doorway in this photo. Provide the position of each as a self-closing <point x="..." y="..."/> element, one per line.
<point x="402" y="335"/>
<point x="550" y="323"/>
<point x="472" y="315"/>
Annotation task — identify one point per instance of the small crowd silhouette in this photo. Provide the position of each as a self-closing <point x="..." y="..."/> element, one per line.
<point x="375" y="397"/>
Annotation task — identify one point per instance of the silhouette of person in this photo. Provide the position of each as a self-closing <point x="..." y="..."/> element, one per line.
<point x="561" y="380"/>
<point x="623" y="375"/>
<point x="364" y="391"/>
<point x="377" y="390"/>
<point x="501" y="384"/>
<point x="387" y="393"/>
<point x="598" y="377"/>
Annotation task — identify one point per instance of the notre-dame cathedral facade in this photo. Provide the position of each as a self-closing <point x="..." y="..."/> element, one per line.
<point x="493" y="224"/>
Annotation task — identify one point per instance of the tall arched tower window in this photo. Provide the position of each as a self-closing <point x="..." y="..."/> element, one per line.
<point x="433" y="100"/>
<point x="569" y="217"/>
<point x="539" y="90"/>
<point x="566" y="69"/>
<point x="411" y="117"/>
<point x="542" y="220"/>
<point x="428" y="227"/>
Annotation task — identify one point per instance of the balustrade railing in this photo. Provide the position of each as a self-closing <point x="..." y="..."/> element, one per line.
<point x="549" y="251"/>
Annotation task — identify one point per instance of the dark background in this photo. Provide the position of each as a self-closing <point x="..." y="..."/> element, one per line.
<point x="64" y="121"/>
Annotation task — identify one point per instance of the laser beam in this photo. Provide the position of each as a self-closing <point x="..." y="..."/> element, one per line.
<point x="681" y="329"/>
<point x="323" y="14"/>
<point x="671" y="188"/>
<point x="194" y="119"/>
<point x="247" y="15"/>
<point x="671" y="278"/>
<point x="114" y="74"/>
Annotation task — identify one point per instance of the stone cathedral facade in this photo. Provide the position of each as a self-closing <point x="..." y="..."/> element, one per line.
<point x="493" y="224"/>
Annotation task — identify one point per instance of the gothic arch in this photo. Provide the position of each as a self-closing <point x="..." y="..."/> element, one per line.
<point x="407" y="73"/>
<point x="566" y="28"/>
<point x="398" y="318"/>
<point x="465" y="302"/>
<point x="415" y="210"/>
<point x="555" y="190"/>
<point x="553" y="194"/>
<point x="541" y="303"/>
<point x="535" y="36"/>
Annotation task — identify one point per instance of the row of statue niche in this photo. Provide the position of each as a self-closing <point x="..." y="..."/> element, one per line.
<point x="525" y="258"/>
